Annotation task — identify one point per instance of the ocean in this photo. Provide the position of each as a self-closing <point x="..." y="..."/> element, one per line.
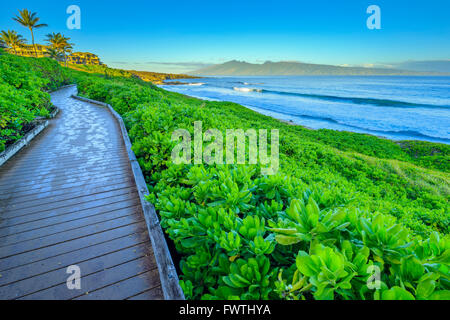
<point x="395" y="107"/>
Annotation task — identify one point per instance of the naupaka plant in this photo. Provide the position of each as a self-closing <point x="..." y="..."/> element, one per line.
<point x="305" y="223"/>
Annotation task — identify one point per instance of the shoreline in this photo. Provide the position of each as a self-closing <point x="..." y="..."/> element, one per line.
<point x="290" y="122"/>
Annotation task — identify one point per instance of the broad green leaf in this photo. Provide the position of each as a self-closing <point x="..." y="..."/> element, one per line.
<point x="397" y="293"/>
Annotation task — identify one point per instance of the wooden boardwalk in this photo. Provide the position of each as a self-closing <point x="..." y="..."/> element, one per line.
<point x="69" y="198"/>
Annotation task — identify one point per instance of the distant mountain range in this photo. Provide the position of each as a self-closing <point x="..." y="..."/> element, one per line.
<point x="425" y="66"/>
<point x="269" y="68"/>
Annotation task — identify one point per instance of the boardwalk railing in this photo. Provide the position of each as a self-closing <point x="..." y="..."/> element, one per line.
<point x="168" y="275"/>
<point x="17" y="146"/>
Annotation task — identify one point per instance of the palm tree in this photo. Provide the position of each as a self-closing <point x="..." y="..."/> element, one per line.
<point x="54" y="54"/>
<point x="66" y="49"/>
<point x="30" y="21"/>
<point x="60" y="43"/>
<point x="12" y="39"/>
<point x="54" y="39"/>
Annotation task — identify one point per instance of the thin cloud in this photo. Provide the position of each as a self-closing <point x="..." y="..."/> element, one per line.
<point x="368" y="65"/>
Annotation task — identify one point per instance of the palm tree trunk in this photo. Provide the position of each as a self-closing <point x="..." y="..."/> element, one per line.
<point x="32" y="41"/>
<point x="15" y="51"/>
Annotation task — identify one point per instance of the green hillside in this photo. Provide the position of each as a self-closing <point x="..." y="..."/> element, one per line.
<point x="154" y="77"/>
<point x="342" y="204"/>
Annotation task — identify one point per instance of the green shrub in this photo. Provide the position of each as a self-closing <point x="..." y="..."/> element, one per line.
<point x="23" y="96"/>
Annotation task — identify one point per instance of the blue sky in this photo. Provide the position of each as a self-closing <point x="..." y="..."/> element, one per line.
<point x="179" y="36"/>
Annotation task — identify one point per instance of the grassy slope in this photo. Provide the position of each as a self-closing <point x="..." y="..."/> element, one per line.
<point x="154" y="77"/>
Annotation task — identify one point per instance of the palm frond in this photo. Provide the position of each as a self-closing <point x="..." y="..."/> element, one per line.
<point x="28" y="19"/>
<point x="12" y="38"/>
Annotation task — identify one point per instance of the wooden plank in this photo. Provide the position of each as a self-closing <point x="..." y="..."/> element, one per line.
<point x="52" y="221"/>
<point x="53" y="230"/>
<point x="43" y="165"/>
<point x="66" y="205"/>
<point x="70" y="235"/>
<point x="59" y="277"/>
<point x="59" y="178"/>
<point x="73" y="257"/>
<point x="88" y="206"/>
<point x="51" y="190"/>
<point x="126" y="288"/>
<point x="27" y="157"/>
<point x="98" y="280"/>
<point x="152" y="294"/>
<point x="59" y="238"/>
<point x="44" y="175"/>
<point x="43" y="171"/>
<point x="76" y="244"/>
<point x="65" y="182"/>
<point x="60" y="196"/>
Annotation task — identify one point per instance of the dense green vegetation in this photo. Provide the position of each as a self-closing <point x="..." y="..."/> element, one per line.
<point x="337" y="207"/>
<point x="428" y="155"/>
<point x="342" y="207"/>
<point x="24" y="83"/>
